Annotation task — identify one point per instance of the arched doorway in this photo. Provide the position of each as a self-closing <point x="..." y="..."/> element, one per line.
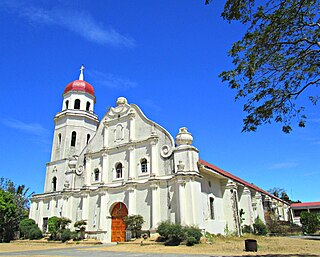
<point x="118" y="227"/>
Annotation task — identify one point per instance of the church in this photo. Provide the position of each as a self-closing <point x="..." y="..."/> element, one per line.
<point x="125" y="164"/>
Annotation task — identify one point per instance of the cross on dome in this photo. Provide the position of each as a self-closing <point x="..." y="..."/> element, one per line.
<point x="81" y="72"/>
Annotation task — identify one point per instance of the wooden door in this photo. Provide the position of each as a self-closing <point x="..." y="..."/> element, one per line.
<point x="118" y="227"/>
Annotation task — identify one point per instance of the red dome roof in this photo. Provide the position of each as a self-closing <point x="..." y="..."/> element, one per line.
<point x="79" y="85"/>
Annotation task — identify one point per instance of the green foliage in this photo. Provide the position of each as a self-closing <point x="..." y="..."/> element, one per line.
<point x="259" y="227"/>
<point x="174" y="234"/>
<point x="56" y="226"/>
<point x="194" y="232"/>
<point x="66" y="235"/>
<point x="247" y="229"/>
<point x="80" y="227"/>
<point x="310" y="222"/>
<point x="14" y="206"/>
<point x="29" y="229"/>
<point x="35" y="233"/>
<point x="276" y="60"/>
<point x="134" y="223"/>
<point x="190" y="241"/>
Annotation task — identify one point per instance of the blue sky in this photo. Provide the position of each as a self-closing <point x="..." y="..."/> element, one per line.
<point x="164" y="56"/>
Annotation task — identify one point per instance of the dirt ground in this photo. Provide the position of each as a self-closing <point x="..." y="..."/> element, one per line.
<point x="267" y="246"/>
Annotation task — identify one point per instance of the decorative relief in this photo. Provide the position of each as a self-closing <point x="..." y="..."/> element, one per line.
<point x="54" y="169"/>
<point x="180" y="166"/>
<point x="119" y="133"/>
<point x="79" y="171"/>
<point x="166" y="151"/>
<point x="66" y="184"/>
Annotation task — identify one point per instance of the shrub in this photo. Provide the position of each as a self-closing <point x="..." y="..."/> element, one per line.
<point x="247" y="229"/>
<point x="191" y="241"/>
<point x="134" y="223"/>
<point x="66" y="235"/>
<point x="56" y="226"/>
<point x="193" y="231"/>
<point x="80" y="227"/>
<point x="35" y="233"/>
<point x="309" y="221"/>
<point x="27" y="226"/>
<point x="173" y="233"/>
<point x="259" y="227"/>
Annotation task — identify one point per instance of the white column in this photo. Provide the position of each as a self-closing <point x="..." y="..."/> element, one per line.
<point x="246" y="205"/>
<point x="105" y="134"/>
<point x="132" y="163"/>
<point x="132" y="200"/>
<point x="154" y="157"/>
<point x="103" y="212"/>
<point x="85" y="208"/>
<point x="105" y="167"/>
<point x="155" y="205"/>
<point x="132" y="127"/>
<point x="196" y="200"/>
<point x="182" y="200"/>
<point x="260" y="210"/>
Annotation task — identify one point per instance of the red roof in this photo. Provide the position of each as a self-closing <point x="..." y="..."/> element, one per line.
<point x="79" y="85"/>
<point x="239" y="180"/>
<point x="307" y="204"/>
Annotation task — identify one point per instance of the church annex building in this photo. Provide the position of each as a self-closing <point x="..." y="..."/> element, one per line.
<point x="125" y="164"/>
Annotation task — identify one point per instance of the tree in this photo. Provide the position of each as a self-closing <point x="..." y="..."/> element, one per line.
<point x="8" y="212"/>
<point x="14" y="207"/>
<point x="134" y="223"/>
<point x="29" y="229"/>
<point x="80" y="227"/>
<point x="276" y="61"/>
<point x="310" y="222"/>
<point x="56" y="226"/>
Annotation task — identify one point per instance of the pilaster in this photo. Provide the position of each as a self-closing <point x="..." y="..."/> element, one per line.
<point x="155" y="204"/>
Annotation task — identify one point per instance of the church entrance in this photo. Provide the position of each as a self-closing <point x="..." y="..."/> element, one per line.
<point x="118" y="227"/>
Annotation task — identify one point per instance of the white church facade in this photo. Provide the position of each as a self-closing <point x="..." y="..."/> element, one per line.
<point x="125" y="164"/>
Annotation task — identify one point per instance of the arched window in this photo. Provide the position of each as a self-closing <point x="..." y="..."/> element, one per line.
<point x="77" y="104"/>
<point x="119" y="170"/>
<point x="73" y="138"/>
<point x="88" y="138"/>
<point x="96" y="175"/>
<point x="67" y="104"/>
<point x="211" y="205"/>
<point x="144" y="165"/>
<point x="54" y="184"/>
<point x="88" y="106"/>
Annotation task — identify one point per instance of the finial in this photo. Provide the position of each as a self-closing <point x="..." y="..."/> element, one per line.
<point x="81" y="72"/>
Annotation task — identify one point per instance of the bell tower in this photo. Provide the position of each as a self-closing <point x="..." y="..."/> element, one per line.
<point x="76" y="123"/>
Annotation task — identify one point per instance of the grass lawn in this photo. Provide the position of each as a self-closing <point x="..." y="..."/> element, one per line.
<point x="231" y="246"/>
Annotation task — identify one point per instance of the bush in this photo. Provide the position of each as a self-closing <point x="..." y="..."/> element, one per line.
<point x="309" y="221"/>
<point x="134" y="223"/>
<point x="194" y="232"/>
<point x="80" y="227"/>
<point x="191" y="241"/>
<point x="66" y="235"/>
<point x="247" y="229"/>
<point x="29" y="229"/>
<point x="259" y="227"/>
<point x="173" y="233"/>
<point x="35" y="233"/>
<point x="56" y="226"/>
